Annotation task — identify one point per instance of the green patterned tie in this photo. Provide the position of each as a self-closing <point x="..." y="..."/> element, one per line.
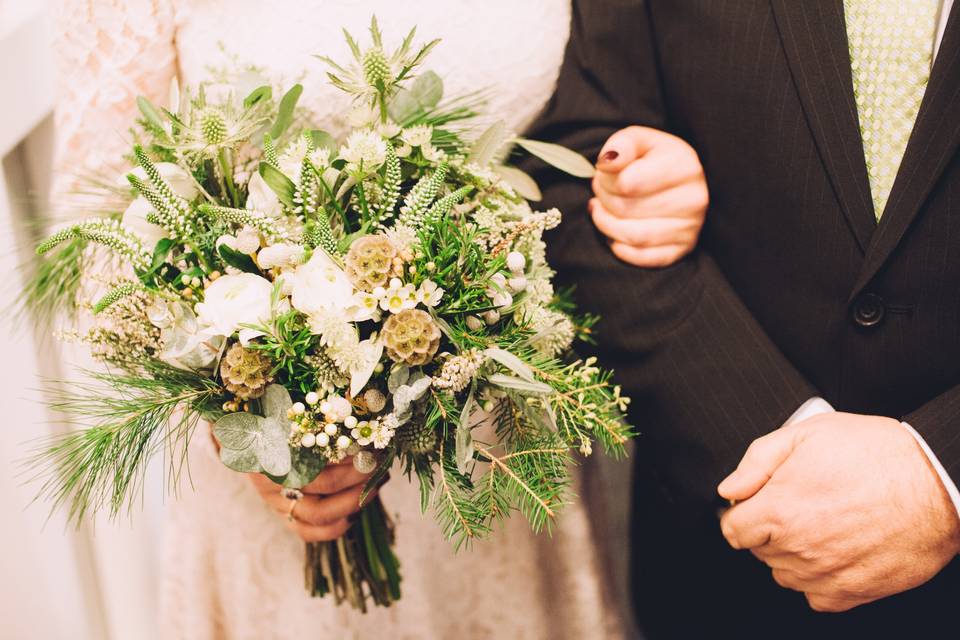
<point x="891" y="45"/>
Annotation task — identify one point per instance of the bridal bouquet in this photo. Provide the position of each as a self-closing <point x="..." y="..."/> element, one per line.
<point x="383" y="298"/>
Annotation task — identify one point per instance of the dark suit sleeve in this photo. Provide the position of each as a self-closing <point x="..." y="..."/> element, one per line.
<point x="704" y="378"/>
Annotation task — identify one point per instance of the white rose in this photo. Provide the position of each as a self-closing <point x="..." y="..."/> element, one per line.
<point x="320" y="285"/>
<point x="260" y="197"/>
<point x="179" y="180"/>
<point x="135" y="219"/>
<point x="235" y="300"/>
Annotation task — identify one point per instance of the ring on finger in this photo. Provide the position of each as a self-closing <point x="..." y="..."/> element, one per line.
<point x="294" y="496"/>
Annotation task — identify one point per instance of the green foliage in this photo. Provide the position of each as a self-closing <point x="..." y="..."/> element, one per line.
<point x="128" y="418"/>
<point x="52" y="284"/>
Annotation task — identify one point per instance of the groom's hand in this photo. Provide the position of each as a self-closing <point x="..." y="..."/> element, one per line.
<point x="845" y="508"/>
<point x="651" y="196"/>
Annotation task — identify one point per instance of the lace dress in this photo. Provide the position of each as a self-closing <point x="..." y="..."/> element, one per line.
<point x="232" y="569"/>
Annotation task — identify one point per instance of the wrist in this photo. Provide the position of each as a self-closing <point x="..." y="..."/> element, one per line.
<point x="937" y="499"/>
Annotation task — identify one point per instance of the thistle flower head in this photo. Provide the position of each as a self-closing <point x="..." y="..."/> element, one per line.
<point x="376" y="73"/>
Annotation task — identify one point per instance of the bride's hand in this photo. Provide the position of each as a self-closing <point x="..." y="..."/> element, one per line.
<point x="322" y="513"/>
<point x="651" y="196"/>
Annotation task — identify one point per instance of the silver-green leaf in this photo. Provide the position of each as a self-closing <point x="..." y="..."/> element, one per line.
<point x="236" y="430"/>
<point x="519" y="384"/>
<point x="560" y="157"/>
<point x="464" y="438"/>
<point x="511" y="362"/>
<point x="521" y="182"/>
<point x="485" y="149"/>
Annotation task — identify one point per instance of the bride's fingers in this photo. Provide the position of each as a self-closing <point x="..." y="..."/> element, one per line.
<point x="650" y="232"/>
<point x="649" y="257"/>
<point x="319" y="533"/>
<point x="336" y="477"/>
<point x="656" y="172"/>
<point x="328" y="509"/>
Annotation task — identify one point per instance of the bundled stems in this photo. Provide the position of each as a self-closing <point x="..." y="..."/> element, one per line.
<point x="360" y="566"/>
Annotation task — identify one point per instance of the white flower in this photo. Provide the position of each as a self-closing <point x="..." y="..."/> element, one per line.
<point x="432" y="153"/>
<point x="365" y="306"/>
<point x="362" y="115"/>
<point x="364" y="149"/>
<point x="179" y="180"/>
<point x="320" y="285"/>
<point x="369" y="353"/>
<point x="404" y="150"/>
<point x="398" y="297"/>
<point x="429" y="294"/>
<point x="337" y="408"/>
<point x="260" y="197"/>
<point x="363" y="433"/>
<point x="280" y="256"/>
<point x="135" y="219"/>
<point x="291" y="160"/>
<point x="248" y="241"/>
<point x="184" y="345"/>
<point x="235" y="300"/>
<point x="382" y="435"/>
<point x="417" y="136"/>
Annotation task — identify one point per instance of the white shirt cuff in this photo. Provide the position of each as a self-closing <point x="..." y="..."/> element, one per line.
<point x="816" y="406"/>
<point x="945" y="478"/>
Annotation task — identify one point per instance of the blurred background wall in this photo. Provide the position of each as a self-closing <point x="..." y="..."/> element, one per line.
<point x="56" y="581"/>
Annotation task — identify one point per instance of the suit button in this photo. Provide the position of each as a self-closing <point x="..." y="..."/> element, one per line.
<point x="868" y="310"/>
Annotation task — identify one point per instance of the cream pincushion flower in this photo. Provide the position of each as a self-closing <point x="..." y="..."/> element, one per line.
<point x="235" y="300"/>
<point x="320" y="285"/>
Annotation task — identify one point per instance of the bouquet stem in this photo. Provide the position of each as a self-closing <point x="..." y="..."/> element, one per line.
<point x="359" y="566"/>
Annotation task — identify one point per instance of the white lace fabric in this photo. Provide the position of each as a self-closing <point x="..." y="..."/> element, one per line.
<point x="232" y="569"/>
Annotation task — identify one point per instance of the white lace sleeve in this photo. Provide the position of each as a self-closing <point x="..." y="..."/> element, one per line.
<point x="108" y="52"/>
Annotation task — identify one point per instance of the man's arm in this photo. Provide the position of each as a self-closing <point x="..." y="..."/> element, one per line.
<point x="705" y="378"/>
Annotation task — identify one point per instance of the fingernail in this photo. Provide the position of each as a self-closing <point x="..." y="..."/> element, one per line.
<point x="610" y="156"/>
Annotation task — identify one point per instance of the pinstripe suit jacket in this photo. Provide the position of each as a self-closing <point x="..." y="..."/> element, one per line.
<point x="796" y="290"/>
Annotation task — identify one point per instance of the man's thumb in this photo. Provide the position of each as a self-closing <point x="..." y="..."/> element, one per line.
<point x="758" y="465"/>
<point x="625" y="146"/>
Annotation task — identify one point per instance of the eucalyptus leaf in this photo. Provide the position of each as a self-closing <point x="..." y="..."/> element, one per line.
<point x="271" y="446"/>
<point x="398" y="377"/>
<point x="519" y="384"/>
<point x="511" y="362"/>
<point x="521" y="182"/>
<point x="464" y="438"/>
<point x="424" y="95"/>
<point x="236" y="430"/>
<point x="304" y="467"/>
<point x="276" y="401"/>
<point x="243" y="461"/>
<point x="285" y="111"/>
<point x="278" y="183"/>
<point x="560" y="157"/>
<point x="485" y="149"/>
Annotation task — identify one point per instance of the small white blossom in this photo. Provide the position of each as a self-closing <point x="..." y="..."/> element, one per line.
<point x="429" y="294"/>
<point x="417" y="136"/>
<point x="364" y="150"/>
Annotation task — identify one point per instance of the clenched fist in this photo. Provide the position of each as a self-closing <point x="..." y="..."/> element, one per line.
<point x="651" y="196"/>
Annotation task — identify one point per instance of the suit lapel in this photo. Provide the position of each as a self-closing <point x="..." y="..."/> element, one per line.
<point x="814" y="38"/>
<point x="932" y="144"/>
